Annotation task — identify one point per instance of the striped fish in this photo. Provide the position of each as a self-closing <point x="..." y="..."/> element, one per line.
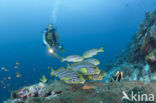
<point x="68" y="76"/>
<point x="97" y="76"/>
<point x="92" y="52"/>
<point x="92" y="61"/>
<point x="85" y="68"/>
<point x="73" y="58"/>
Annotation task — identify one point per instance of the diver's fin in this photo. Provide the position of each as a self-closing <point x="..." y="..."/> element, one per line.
<point x="61" y="48"/>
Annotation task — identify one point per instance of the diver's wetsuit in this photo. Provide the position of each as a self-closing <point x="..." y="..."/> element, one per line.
<point x="52" y="38"/>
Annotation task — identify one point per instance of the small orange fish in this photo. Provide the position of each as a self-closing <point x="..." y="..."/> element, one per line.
<point x="2" y="82"/>
<point x="9" y="77"/>
<point x="92" y="83"/>
<point x="16" y="67"/>
<point x="17" y="63"/>
<point x="6" y="70"/>
<point x="87" y="87"/>
<point x="34" y="69"/>
<point x="18" y="75"/>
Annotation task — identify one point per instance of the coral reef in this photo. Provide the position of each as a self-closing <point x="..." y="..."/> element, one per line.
<point x="141" y="51"/>
<point x="101" y="93"/>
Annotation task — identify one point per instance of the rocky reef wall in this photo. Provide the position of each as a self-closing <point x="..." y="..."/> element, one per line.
<point x="141" y="53"/>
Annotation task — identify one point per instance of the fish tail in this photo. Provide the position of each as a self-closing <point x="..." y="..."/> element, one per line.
<point x="103" y="74"/>
<point x="52" y="72"/>
<point x="68" y="66"/>
<point x="56" y="55"/>
<point x="62" y="59"/>
<point x="101" y="49"/>
<point x="41" y="80"/>
<point x="90" y="77"/>
<point x="81" y="76"/>
<point x="61" y="68"/>
<point x="83" y="57"/>
<point x="44" y="77"/>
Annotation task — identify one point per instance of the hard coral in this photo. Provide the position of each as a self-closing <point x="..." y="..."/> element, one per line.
<point x="37" y="90"/>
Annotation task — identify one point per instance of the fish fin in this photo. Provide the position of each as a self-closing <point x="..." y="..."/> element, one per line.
<point x="62" y="59"/>
<point x="117" y="73"/>
<point x="95" y="59"/>
<point x="81" y="77"/>
<point x="41" y="80"/>
<point x="90" y="77"/>
<point x="68" y="65"/>
<point x="101" y="49"/>
<point x="56" y="55"/>
<point x="100" y="77"/>
<point x="52" y="72"/>
<point x="73" y="64"/>
<point x="43" y="76"/>
<point x="83" y="56"/>
<point x="61" y="68"/>
<point x="103" y="73"/>
<point x="44" y="79"/>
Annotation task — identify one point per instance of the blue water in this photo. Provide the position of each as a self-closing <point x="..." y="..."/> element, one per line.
<point x="81" y="24"/>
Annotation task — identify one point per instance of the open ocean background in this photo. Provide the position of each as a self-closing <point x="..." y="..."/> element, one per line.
<point x="81" y="24"/>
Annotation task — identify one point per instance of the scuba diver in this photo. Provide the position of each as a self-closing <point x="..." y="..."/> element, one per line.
<point x="51" y="40"/>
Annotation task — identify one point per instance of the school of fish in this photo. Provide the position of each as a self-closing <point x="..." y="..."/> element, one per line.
<point x="79" y="68"/>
